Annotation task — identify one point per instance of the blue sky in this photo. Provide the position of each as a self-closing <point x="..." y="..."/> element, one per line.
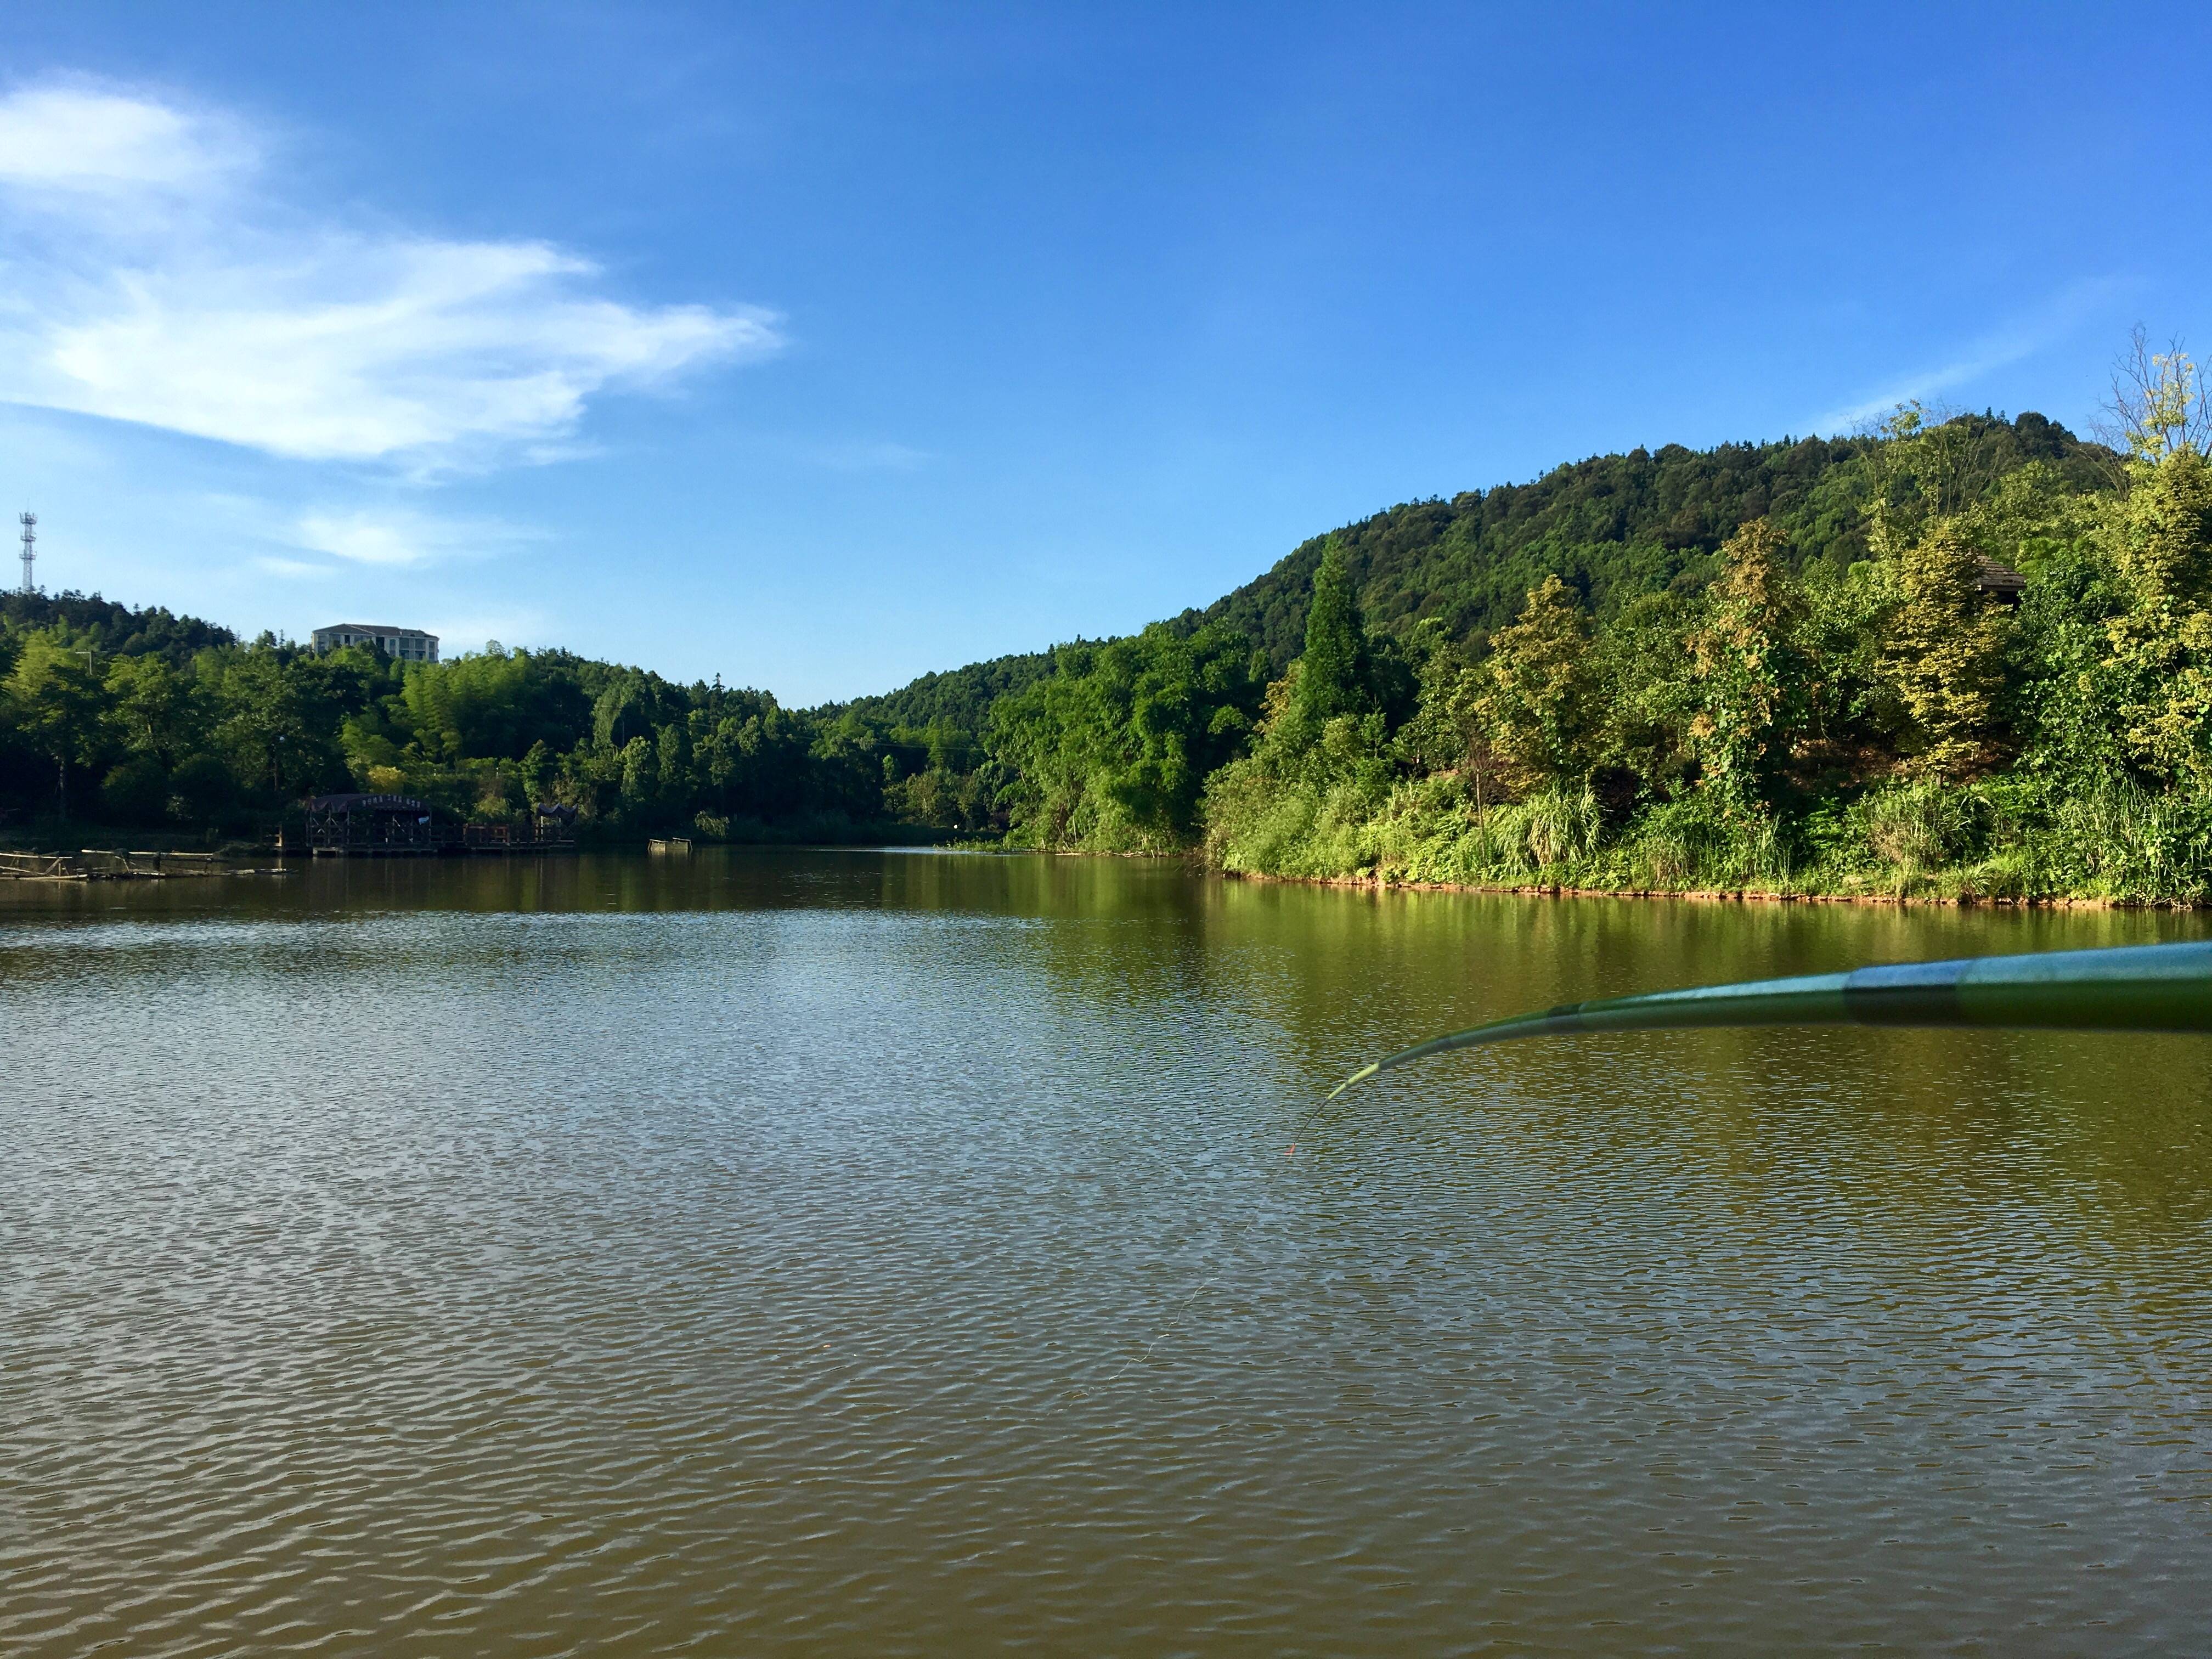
<point x="818" y="346"/>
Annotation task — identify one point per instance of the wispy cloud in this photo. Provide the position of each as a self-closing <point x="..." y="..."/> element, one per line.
<point x="164" y="280"/>
<point x="401" y="536"/>
<point x="2020" y="337"/>
<point x="294" y="569"/>
<point x="80" y="138"/>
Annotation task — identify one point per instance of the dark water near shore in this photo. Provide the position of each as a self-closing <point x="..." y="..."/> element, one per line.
<point x="884" y="1252"/>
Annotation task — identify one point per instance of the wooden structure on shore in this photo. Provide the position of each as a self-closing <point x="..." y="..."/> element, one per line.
<point x="378" y="826"/>
<point x="113" y="864"/>
<point x="400" y="826"/>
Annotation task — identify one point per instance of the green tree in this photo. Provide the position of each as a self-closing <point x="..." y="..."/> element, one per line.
<point x="2165" y="530"/>
<point x="1112" y="751"/>
<point x="1647" y="686"/>
<point x="1444" y="729"/>
<point x="1751" y="673"/>
<point x="154" y="707"/>
<point x="275" y="721"/>
<point x="1540" y="706"/>
<point x="2161" y="645"/>
<point x="1338" y="675"/>
<point x="58" y="704"/>
<point x="1945" y="655"/>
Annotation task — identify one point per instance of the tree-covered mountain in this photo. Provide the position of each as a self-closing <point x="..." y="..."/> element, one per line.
<point x="113" y="630"/>
<point x="1964" y="656"/>
<point x="1613" y="527"/>
<point x="1706" y="662"/>
<point x="956" y="698"/>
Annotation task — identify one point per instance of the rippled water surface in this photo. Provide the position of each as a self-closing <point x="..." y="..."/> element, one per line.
<point x="884" y="1252"/>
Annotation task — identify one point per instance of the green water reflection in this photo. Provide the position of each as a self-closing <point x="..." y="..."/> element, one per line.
<point x="896" y="1252"/>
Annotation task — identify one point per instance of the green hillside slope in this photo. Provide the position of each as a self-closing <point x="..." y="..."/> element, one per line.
<point x="958" y="698"/>
<point x="112" y="629"/>
<point x="1613" y="526"/>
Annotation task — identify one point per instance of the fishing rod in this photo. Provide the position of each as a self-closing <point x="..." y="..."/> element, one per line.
<point x="2141" y="987"/>
<point x="2137" y="987"/>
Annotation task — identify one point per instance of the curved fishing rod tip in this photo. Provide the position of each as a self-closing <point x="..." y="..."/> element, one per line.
<point x="1359" y="1076"/>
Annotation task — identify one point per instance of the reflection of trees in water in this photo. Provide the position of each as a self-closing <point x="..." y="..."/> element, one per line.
<point x="1915" y="1139"/>
<point x="1913" y="1126"/>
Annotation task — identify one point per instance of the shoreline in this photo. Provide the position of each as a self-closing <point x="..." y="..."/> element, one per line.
<point x="1712" y="896"/>
<point x="1378" y="883"/>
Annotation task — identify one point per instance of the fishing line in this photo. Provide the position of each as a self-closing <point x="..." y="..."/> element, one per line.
<point x="1181" y="1309"/>
<point x="2142" y="988"/>
<point x="1082" y="1390"/>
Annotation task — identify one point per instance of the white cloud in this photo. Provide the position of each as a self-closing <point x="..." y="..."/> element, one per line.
<point x="296" y="569"/>
<point x="221" y="313"/>
<point x="80" y="137"/>
<point x="399" y="538"/>
<point x="2022" y="337"/>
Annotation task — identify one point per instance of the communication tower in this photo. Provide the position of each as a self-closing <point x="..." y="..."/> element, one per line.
<point x="30" y="549"/>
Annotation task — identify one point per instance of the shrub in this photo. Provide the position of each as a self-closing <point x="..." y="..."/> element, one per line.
<point x="1925" y="826"/>
<point x="136" y="792"/>
<point x="201" y="790"/>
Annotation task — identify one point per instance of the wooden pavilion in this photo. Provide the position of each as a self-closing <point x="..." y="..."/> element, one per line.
<point x="378" y="826"/>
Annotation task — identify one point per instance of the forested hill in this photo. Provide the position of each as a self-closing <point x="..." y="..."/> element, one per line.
<point x="172" y="720"/>
<point x="958" y="699"/>
<point x="113" y="629"/>
<point x="1613" y="527"/>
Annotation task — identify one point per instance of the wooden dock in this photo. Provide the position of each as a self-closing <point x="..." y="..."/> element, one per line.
<point x="117" y="864"/>
<point x="402" y="826"/>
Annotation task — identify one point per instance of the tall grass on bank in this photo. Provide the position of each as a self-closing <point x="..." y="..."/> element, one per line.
<point x="2002" y="839"/>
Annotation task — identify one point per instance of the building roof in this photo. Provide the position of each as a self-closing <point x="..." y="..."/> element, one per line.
<point x="368" y="804"/>
<point x="373" y="628"/>
<point x="1994" y="577"/>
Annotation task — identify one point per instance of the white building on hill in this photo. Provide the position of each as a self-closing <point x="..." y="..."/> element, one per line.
<point x="400" y="644"/>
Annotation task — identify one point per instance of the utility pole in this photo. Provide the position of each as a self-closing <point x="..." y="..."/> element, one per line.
<point x="30" y="522"/>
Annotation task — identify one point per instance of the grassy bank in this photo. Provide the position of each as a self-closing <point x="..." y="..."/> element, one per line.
<point x="1991" y="840"/>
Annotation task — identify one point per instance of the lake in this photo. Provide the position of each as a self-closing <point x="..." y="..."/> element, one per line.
<point x="892" y="1252"/>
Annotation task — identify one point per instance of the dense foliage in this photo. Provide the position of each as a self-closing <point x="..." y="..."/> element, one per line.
<point x="1969" y="655"/>
<point x="957" y="700"/>
<point x="1886" y="721"/>
<point x="112" y="629"/>
<point x="138" y="719"/>
<point x="1111" y="750"/>
<point x="1618" y="526"/>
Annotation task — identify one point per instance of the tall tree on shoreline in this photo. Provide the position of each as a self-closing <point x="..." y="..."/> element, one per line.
<point x="2161" y="544"/>
<point x="1751" y="673"/>
<point x="1338" y="672"/>
<point x="1541" y="706"/>
<point x="1945" y="653"/>
<point x="56" y="701"/>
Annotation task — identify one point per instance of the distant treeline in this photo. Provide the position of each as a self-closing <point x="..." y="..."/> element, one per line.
<point x="137" y="718"/>
<point x="1968" y="655"/>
